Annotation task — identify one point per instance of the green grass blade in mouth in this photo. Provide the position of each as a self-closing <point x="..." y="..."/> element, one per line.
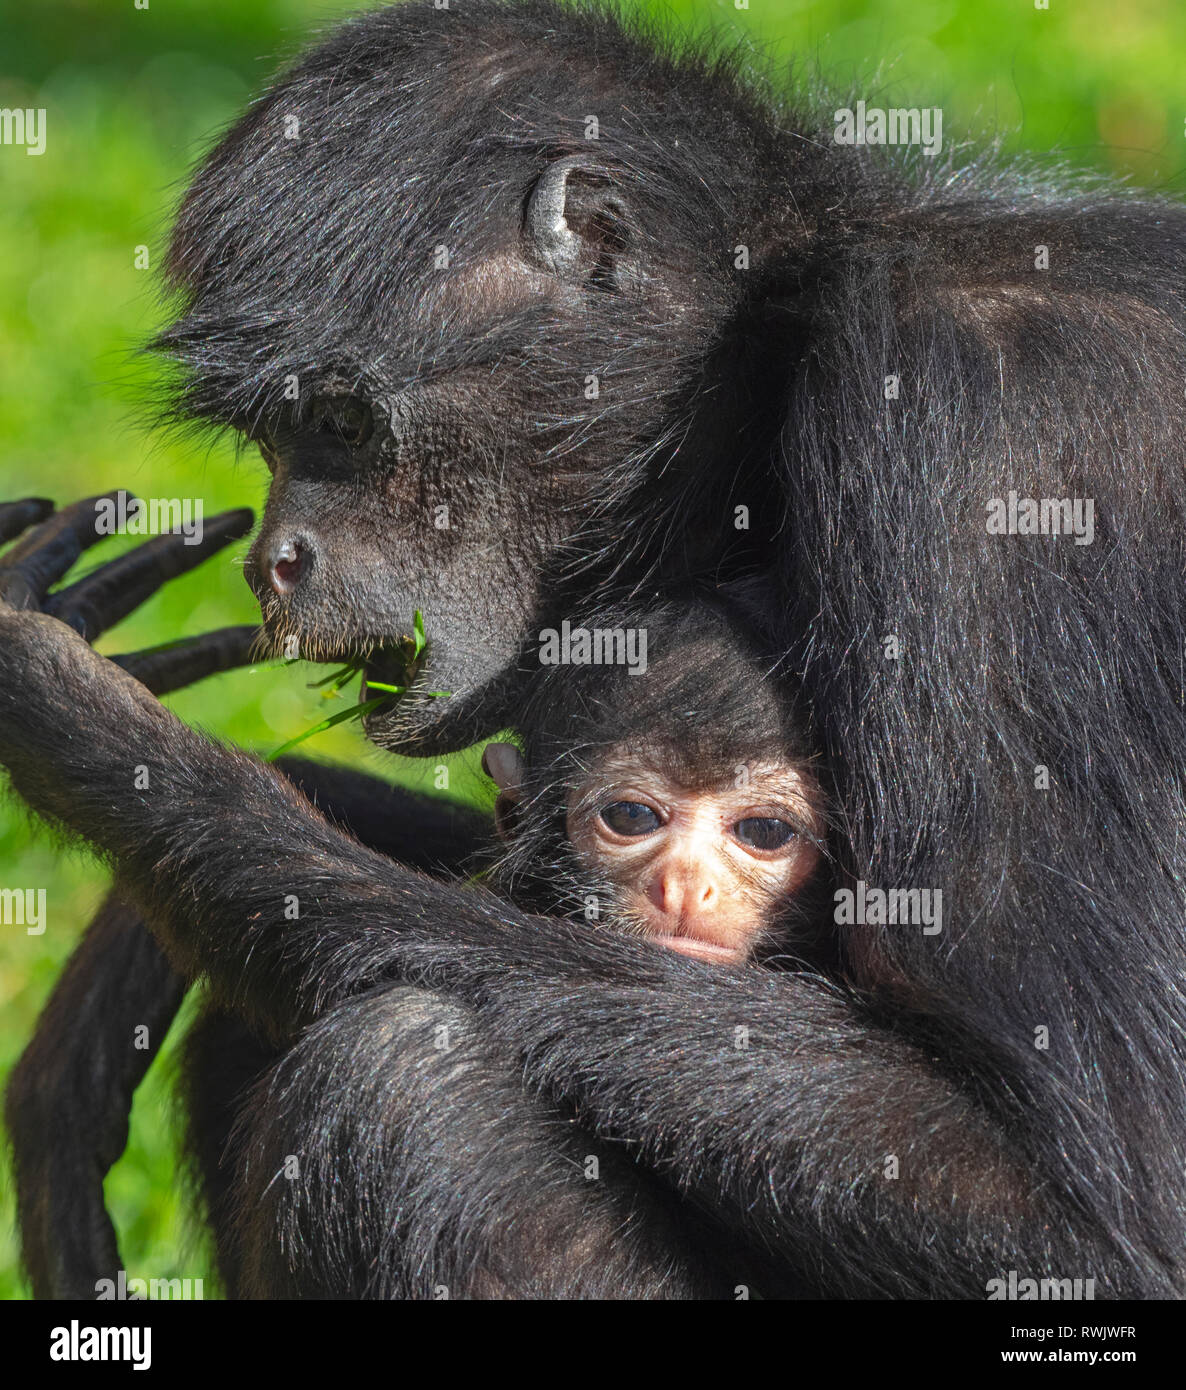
<point x="331" y="686"/>
<point x="337" y="679"/>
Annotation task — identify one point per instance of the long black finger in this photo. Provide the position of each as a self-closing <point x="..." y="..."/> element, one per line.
<point x="15" y="516"/>
<point x="112" y="591"/>
<point x="179" y="664"/>
<point x="48" y="551"/>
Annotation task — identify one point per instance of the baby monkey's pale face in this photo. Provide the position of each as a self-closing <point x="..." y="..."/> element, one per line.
<point x="702" y="869"/>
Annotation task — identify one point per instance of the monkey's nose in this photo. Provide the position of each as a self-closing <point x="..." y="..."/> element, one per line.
<point x="683" y="892"/>
<point x="286" y="559"/>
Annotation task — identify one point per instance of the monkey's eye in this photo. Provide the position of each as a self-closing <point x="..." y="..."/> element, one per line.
<point x="347" y="418"/>
<point x="631" y="818"/>
<point x="764" y="832"/>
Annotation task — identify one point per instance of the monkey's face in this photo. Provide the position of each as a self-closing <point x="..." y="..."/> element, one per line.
<point x="702" y="870"/>
<point x="456" y="346"/>
<point x="452" y="491"/>
<point x="382" y="505"/>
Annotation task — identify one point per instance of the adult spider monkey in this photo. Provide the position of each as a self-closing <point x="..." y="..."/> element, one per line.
<point x="443" y="261"/>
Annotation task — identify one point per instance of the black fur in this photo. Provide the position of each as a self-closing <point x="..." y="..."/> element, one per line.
<point x="1063" y="908"/>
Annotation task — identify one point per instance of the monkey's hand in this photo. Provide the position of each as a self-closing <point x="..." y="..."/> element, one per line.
<point x="53" y="688"/>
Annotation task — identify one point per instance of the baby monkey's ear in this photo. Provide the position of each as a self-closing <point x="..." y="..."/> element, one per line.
<point x="503" y="764"/>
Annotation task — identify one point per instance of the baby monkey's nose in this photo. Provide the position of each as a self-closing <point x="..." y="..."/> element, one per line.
<point x="683" y="890"/>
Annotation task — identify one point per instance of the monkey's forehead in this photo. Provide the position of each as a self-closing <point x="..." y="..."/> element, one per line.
<point x="669" y="769"/>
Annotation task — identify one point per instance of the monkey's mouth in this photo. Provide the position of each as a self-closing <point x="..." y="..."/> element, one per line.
<point x="701" y="950"/>
<point x="390" y="671"/>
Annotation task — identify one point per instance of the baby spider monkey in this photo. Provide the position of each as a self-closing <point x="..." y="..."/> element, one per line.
<point x="682" y="803"/>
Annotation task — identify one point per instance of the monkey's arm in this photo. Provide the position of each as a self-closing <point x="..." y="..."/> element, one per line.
<point x="190" y="826"/>
<point x="69" y="1097"/>
<point x="773" y="1102"/>
<point x="459" y="1183"/>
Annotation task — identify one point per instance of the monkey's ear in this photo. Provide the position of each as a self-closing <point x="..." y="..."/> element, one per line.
<point x="503" y="763"/>
<point x="575" y="219"/>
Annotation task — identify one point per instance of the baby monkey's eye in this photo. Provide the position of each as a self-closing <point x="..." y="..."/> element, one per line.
<point x="631" y="818"/>
<point x="764" y="832"/>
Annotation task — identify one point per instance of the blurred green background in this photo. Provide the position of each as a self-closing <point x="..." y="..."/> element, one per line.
<point x="133" y="98"/>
